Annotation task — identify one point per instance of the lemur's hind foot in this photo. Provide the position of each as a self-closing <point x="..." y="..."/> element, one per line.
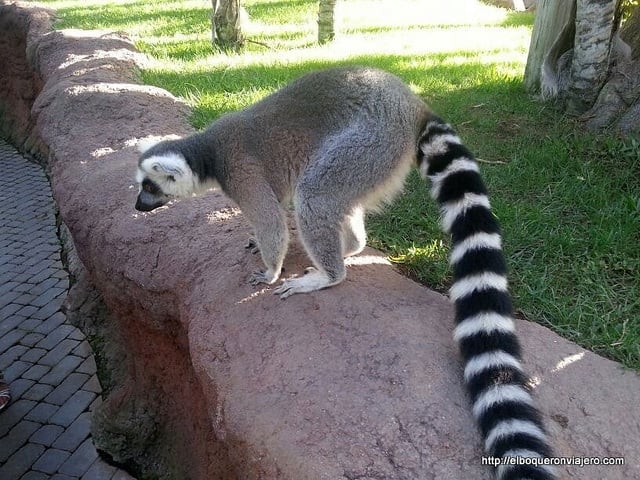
<point x="311" y="281"/>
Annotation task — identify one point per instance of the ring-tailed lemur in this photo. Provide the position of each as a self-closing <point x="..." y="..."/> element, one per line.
<point x="339" y="142"/>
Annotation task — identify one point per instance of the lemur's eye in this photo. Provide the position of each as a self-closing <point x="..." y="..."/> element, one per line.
<point x="171" y="178"/>
<point x="150" y="187"/>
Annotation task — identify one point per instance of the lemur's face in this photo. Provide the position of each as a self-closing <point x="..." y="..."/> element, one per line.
<point x="150" y="196"/>
<point x="162" y="177"/>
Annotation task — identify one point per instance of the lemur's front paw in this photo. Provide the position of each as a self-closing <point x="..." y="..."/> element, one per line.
<point x="252" y="245"/>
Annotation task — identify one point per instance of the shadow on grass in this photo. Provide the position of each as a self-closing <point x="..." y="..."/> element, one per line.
<point x="448" y="87"/>
<point x="168" y="20"/>
<point x="190" y="49"/>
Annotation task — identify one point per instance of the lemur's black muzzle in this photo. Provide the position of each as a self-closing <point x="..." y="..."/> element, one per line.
<point x="147" y="202"/>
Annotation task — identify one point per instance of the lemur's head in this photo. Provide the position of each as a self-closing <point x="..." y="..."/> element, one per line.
<point x="163" y="174"/>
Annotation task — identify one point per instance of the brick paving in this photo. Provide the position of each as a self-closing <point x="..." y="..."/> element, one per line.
<point x="44" y="432"/>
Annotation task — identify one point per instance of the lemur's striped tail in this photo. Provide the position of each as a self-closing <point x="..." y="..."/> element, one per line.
<point x="502" y="405"/>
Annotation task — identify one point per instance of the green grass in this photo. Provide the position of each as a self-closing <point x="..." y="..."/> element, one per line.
<point x="568" y="201"/>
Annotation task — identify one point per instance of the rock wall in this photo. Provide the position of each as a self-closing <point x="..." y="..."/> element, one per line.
<point x="209" y="378"/>
<point x="19" y="83"/>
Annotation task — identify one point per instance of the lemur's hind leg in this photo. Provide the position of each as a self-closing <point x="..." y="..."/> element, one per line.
<point x="320" y="229"/>
<point x="329" y="195"/>
<point x="354" y="235"/>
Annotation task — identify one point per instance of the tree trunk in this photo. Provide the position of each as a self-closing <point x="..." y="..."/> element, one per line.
<point x="214" y="34"/>
<point x="226" y="31"/>
<point x="554" y="19"/>
<point x="596" y="24"/>
<point x="588" y="66"/>
<point x="630" y="33"/>
<point x="618" y="104"/>
<point x="326" y="10"/>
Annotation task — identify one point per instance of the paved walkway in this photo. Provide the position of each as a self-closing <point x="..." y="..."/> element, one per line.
<point x="44" y="433"/>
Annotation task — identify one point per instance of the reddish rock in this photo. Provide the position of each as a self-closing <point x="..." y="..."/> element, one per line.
<point x="19" y="83"/>
<point x="219" y="380"/>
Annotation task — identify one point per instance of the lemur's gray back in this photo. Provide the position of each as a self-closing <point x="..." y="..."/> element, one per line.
<point x="298" y="123"/>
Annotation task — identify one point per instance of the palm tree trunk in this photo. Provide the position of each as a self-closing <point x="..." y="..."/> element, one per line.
<point x="326" y="9"/>
<point x="226" y="31"/>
